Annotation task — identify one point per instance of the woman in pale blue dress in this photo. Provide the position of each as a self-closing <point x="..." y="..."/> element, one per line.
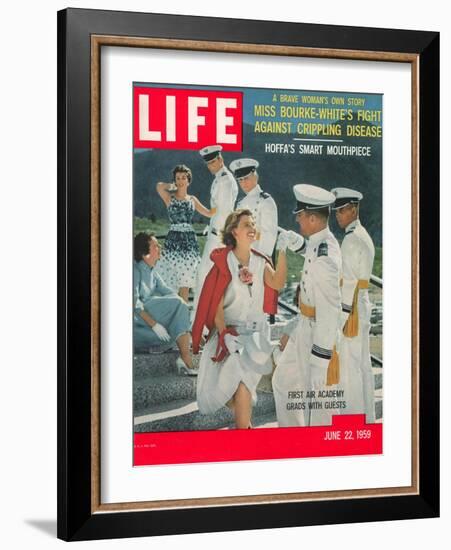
<point x="160" y="316"/>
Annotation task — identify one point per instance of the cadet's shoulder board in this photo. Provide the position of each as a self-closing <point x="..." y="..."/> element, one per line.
<point x="264" y="195"/>
<point x="323" y="250"/>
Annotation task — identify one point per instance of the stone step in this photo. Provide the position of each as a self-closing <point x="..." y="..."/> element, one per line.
<point x="154" y="413"/>
<point x="378" y="404"/>
<point x="153" y="364"/>
<point x="378" y="373"/>
<point x="154" y="390"/>
<point x="156" y="364"/>
<point x="184" y="415"/>
<point x="263" y="421"/>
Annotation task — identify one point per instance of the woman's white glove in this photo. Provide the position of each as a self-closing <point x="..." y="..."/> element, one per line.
<point x="289" y="239"/>
<point x="233" y="343"/>
<point x="318" y="376"/>
<point x="161" y="332"/>
<point x="295" y="241"/>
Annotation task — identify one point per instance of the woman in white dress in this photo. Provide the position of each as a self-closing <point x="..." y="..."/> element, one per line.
<point x="238" y="293"/>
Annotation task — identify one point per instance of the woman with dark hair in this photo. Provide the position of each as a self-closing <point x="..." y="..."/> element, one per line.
<point x="238" y="293"/>
<point x="180" y="257"/>
<point x="160" y="316"/>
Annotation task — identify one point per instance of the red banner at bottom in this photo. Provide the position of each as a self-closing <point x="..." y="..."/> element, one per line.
<point x="348" y="435"/>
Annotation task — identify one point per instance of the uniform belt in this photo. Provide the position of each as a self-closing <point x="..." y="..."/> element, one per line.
<point x="362" y="284"/>
<point x="307" y="311"/>
<point x="351" y="328"/>
<point x="333" y="368"/>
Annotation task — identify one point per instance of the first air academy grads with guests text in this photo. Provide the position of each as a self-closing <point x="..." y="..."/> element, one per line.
<point x="309" y="362"/>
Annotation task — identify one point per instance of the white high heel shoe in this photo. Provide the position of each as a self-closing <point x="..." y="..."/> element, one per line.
<point x="183" y="369"/>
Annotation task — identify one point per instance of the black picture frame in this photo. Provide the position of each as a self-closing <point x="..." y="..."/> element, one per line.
<point x="78" y="518"/>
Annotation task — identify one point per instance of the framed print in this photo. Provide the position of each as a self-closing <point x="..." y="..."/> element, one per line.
<point x="248" y="318"/>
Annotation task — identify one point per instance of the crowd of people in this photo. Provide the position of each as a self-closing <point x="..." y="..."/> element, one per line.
<point x="236" y="285"/>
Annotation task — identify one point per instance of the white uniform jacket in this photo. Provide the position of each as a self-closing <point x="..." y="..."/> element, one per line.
<point x="223" y="194"/>
<point x="357" y="251"/>
<point x="264" y="210"/>
<point x="320" y="288"/>
<point x="311" y="343"/>
<point x="357" y="377"/>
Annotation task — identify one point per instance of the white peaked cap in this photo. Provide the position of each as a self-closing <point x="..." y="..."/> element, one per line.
<point x="243" y="167"/>
<point x="210" y="152"/>
<point x="344" y="196"/>
<point x="311" y="197"/>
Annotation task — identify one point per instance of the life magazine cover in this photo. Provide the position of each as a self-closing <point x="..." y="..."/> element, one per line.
<point x="257" y="273"/>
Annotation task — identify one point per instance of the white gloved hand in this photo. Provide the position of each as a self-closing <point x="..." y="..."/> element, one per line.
<point x="282" y="240"/>
<point x="318" y="376"/>
<point x="205" y="231"/>
<point x="233" y="343"/>
<point x="295" y="241"/>
<point x="161" y="332"/>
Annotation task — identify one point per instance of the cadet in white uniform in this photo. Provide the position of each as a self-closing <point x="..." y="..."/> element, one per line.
<point x="309" y="360"/>
<point x="223" y="194"/>
<point x="261" y="204"/>
<point x="357" y="251"/>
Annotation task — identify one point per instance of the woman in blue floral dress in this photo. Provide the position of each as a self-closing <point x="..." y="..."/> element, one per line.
<point x="180" y="257"/>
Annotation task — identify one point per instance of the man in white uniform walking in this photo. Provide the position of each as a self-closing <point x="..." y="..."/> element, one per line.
<point x="261" y="204"/>
<point x="357" y="251"/>
<point x="223" y="194"/>
<point x="306" y="374"/>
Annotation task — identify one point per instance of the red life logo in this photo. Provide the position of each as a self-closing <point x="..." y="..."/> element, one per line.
<point x="169" y="118"/>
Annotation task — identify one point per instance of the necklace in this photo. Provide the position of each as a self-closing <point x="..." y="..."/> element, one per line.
<point x="242" y="263"/>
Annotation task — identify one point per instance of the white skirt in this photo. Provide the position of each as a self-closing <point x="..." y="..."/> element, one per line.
<point x="218" y="382"/>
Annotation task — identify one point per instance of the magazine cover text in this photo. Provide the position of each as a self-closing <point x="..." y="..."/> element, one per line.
<point x="257" y="274"/>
